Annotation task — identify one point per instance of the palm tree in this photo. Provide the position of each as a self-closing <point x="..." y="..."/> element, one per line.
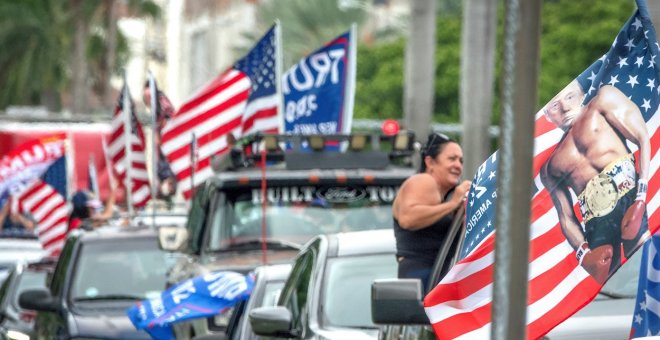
<point x="306" y="25"/>
<point x="35" y="45"/>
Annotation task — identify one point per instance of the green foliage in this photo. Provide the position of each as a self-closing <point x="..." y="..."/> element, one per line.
<point x="35" y="48"/>
<point x="574" y="35"/>
<point x="379" y="85"/>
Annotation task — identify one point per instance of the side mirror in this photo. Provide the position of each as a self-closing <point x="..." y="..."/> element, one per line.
<point x="397" y="301"/>
<point x="172" y="238"/>
<point x="272" y="321"/>
<point x="38" y="299"/>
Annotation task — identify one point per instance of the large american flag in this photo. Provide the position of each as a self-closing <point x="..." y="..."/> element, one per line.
<point x="460" y="306"/>
<point x="242" y="100"/>
<point x="140" y="189"/>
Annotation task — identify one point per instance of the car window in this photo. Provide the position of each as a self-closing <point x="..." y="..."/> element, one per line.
<point x="130" y="268"/>
<point x="4" y="287"/>
<point x="296" y="214"/>
<point x="347" y="288"/>
<point x="296" y="289"/>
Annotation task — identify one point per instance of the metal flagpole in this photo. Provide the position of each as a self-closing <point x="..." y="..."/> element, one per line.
<point x="349" y="93"/>
<point x="193" y="163"/>
<point x="128" y="145"/>
<point x="108" y="164"/>
<point x="155" y="138"/>
<point x="521" y="66"/>
<point x="278" y="75"/>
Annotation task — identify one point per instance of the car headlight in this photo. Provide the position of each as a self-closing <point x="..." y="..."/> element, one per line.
<point x="16" y="335"/>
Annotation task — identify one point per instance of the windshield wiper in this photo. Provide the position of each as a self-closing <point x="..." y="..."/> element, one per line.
<point x="108" y="297"/>
<point x="255" y="244"/>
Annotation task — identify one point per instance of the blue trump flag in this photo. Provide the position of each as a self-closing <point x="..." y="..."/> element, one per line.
<point x="198" y="297"/>
<point x="646" y="318"/>
<point x="318" y="92"/>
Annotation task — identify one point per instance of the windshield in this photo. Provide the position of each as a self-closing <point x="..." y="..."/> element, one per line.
<point x="296" y="214"/>
<point x="623" y="284"/>
<point x="121" y="270"/>
<point x="347" y="288"/>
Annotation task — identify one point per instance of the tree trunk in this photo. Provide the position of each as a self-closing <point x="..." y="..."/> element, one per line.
<point x="420" y="68"/>
<point x="79" y="85"/>
<point x="477" y="77"/>
<point x="111" y="52"/>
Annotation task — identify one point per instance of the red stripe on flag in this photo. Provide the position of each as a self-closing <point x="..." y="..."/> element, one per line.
<point x="262" y="114"/>
<point x="454" y="326"/>
<point x="579" y="296"/>
<point x="205" y="116"/>
<point x="224" y="81"/>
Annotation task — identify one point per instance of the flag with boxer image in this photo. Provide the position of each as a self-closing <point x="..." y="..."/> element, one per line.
<point x="594" y="201"/>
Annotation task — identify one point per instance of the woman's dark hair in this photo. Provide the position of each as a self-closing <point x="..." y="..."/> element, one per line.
<point x="435" y="143"/>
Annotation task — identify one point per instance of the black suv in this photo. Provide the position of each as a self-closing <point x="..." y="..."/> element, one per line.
<point x="308" y="190"/>
<point x="98" y="276"/>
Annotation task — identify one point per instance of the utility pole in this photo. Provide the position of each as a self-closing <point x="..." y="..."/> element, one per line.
<point x="514" y="182"/>
<point x="420" y="68"/>
<point x="477" y="77"/>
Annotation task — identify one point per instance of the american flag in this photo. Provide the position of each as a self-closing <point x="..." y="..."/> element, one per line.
<point x="242" y="100"/>
<point x="50" y="212"/>
<point x="140" y="189"/>
<point x="36" y="176"/>
<point x="646" y="318"/>
<point x="460" y="306"/>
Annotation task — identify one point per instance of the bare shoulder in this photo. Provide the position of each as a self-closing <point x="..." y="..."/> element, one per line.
<point x="419" y="182"/>
<point x="610" y="94"/>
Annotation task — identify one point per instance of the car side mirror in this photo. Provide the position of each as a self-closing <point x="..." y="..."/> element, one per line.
<point x="172" y="238"/>
<point x="272" y="321"/>
<point x="397" y="301"/>
<point x="38" y="299"/>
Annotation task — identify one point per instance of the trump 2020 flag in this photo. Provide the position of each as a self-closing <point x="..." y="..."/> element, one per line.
<point x="595" y="197"/>
<point x="318" y="91"/>
<point x="242" y="100"/>
<point x="199" y="297"/>
<point x="646" y="318"/>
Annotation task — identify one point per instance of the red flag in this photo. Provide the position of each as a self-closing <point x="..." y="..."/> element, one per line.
<point x="140" y="189"/>
<point x="242" y="100"/>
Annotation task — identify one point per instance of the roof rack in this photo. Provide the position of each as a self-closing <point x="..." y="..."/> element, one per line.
<point x="319" y="151"/>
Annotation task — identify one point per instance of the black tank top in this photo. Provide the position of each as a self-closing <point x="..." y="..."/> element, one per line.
<point x="422" y="244"/>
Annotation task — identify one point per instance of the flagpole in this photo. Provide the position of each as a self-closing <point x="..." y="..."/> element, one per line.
<point x="92" y="177"/>
<point x="154" y="145"/>
<point x="514" y="183"/>
<point x="126" y="110"/>
<point x="70" y="164"/>
<point x="278" y="75"/>
<point x="108" y="164"/>
<point x="193" y="161"/>
<point x="349" y="91"/>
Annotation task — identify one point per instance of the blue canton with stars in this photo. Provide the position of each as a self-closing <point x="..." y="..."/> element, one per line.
<point x="480" y="209"/>
<point x="646" y="318"/>
<point x="630" y="65"/>
<point x="259" y="66"/>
